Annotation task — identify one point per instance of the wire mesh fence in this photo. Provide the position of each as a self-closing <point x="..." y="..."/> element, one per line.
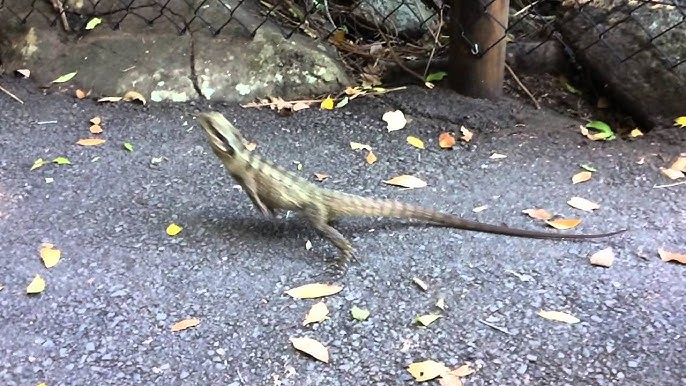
<point x="417" y="29"/>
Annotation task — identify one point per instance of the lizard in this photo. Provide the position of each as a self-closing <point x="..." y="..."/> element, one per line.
<point x="271" y="187"/>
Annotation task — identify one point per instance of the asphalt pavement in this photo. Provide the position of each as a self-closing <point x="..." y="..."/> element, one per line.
<point x="106" y="314"/>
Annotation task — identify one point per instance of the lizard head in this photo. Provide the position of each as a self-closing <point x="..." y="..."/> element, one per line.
<point x="225" y="139"/>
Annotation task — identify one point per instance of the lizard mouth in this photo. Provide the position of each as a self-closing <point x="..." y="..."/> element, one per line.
<point x="218" y="142"/>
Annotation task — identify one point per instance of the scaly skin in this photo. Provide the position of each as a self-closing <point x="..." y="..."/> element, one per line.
<point x="271" y="187"/>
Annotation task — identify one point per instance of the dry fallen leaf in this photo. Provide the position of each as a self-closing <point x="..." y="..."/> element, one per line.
<point x="321" y="176"/>
<point x="370" y="158"/>
<point x="134" y="96"/>
<point x="90" y="141"/>
<point x="635" y="133"/>
<point x="426" y="370"/>
<point x="420" y="283"/>
<point x="426" y="320"/>
<point x="672" y="173"/>
<point x="50" y="255"/>
<point x="184" y="324"/>
<point x="448" y="379"/>
<point x="480" y="209"/>
<point x="173" y="229"/>
<point x="463" y="371"/>
<point x="360" y="146"/>
<point x="250" y="146"/>
<point x="416" y="142"/>
<point x="297" y="106"/>
<point x="466" y="134"/>
<point x="583" y="204"/>
<point x="395" y="120"/>
<point x="95" y="129"/>
<point x="671" y="256"/>
<point x="317" y="313"/>
<point x="36" y="286"/>
<point x="446" y="140"/>
<point x="603" y="258"/>
<point x="679" y="164"/>
<point x="314" y="290"/>
<point x="559" y="316"/>
<point x="581" y="177"/>
<point x="538" y="214"/>
<point x="497" y="156"/>
<point x="109" y="99"/>
<point x="360" y="314"/>
<point x="311" y="347"/>
<point x="406" y="181"/>
<point x="25" y="72"/>
<point x="564" y="223"/>
<point x="440" y="303"/>
<point x="96" y="120"/>
<point x="80" y="94"/>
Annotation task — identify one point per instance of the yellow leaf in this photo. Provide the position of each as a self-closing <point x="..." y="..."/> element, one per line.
<point x="416" y="142"/>
<point x="327" y="104"/>
<point x="38" y="163"/>
<point x="311" y="347"/>
<point x="92" y="23"/>
<point x="36" y="286"/>
<point x="90" y="141"/>
<point x="360" y="314"/>
<point x="679" y="164"/>
<point x="109" y="99"/>
<point x="50" y="255"/>
<point x="370" y="158"/>
<point x="318" y="313"/>
<point x="134" y="96"/>
<point x="581" y="177"/>
<point x="635" y="133"/>
<point x="564" y="223"/>
<point x="538" y="214"/>
<point x="173" y="229"/>
<point x="62" y="161"/>
<point x="680" y="121"/>
<point x="603" y="258"/>
<point x="558" y="316"/>
<point x="671" y="256"/>
<point x="466" y="134"/>
<point x="395" y="120"/>
<point x="185" y="324"/>
<point x="95" y="129"/>
<point x="406" y="181"/>
<point x="360" y="146"/>
<point x="427" y="370"/>
<point x="65" y="77"/>
<point x="425" y="320"/>
<point x="583" y="204"/>
<point x="446" y="140"/>
<point x="314" y="290"/>
<point x="96" y="120"/>
<point x="672" y="173"/>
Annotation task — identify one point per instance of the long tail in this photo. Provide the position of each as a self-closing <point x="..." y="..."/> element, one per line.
<point x="348" y="205"/>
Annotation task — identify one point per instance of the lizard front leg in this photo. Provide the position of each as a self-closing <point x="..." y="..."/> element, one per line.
<point x="249" y="185"/>
<point x="318" y="218"/>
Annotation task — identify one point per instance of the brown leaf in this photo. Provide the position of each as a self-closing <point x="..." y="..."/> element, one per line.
<point x="96" y="120"/>
<point x="564" y="223"/>
<point x="672" y="256"/>
<point x="581" y="177"/>
<point x="314" y="290"/>
<point x="90" y="141"/>
<point x="427" y="370"/>
<point x="184" y="324"/>
<point x="95" y="129"/>
<point x="583" y="204"/>
<point x="311" y="347"/>
<point x="370" y="158"/>
<point x="406" y="181"/>
<point x="134" y="96"/>
<point x="446" y="140"/>
<point x="538" y="214"/>
<point x="317" y="313"/>
<point x="80" y="94"/>
<point x="321" y="176"/>
<point x="603" y="258"/>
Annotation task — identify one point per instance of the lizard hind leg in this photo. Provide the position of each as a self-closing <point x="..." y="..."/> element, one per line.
<point x="319" y="217"/>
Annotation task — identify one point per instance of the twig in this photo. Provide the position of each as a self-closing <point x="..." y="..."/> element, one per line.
<point x="436" y="36"/>
<point x="399" y="62"/>
<point x="493" y="326"/>
<point x="308" y="101"/>
<point x="328" y="14"/>
<point x="6" y="91"/>
<point x="669" y="185"/>
<point x="521" y="85"/>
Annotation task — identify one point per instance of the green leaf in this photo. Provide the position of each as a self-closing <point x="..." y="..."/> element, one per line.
<point x="65" y="77"/>
<point x="92" y="23"/>
<point x="604" y="129"/>
<point x="62" y="161"/>
<point x="572" y="90"/>
<point x="360" y="314"/>
<point x="342" y="102"/>
<point x="128" y="146"/>
<point x="588" y="167"/>
<point x="434" y="76"/>
<point x="37" y="163"/>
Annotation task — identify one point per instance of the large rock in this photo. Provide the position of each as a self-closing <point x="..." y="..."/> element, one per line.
<point x="636" y="50"/>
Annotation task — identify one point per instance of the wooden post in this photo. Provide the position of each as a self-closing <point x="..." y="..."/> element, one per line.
<point x="475" y="26"/>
